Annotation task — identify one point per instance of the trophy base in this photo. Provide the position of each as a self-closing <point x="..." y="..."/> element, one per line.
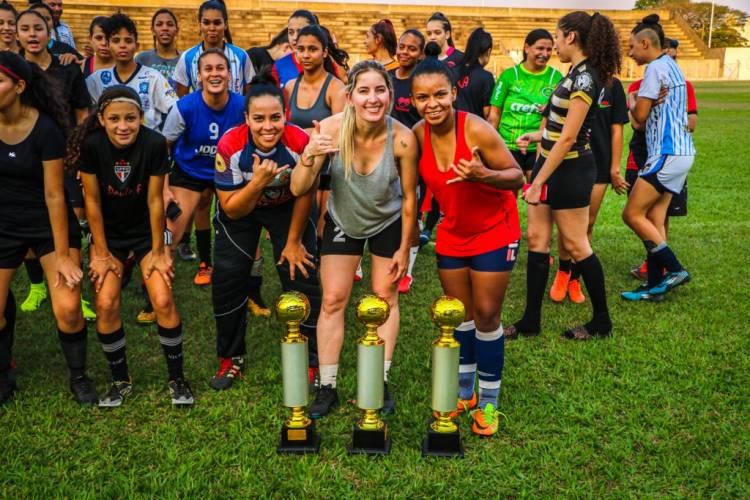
<point x="366" y="442"/>
<point x="299" y="441"/>
<point x="442" y="444"/>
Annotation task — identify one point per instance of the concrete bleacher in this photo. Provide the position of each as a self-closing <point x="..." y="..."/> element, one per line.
<point x="254" y="22"/>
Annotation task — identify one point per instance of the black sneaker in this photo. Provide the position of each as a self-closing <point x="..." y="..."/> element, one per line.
<point x="325" y="399"/>
<point x="389" y="405"/>
<point x="229" y="370"/>
<point x="83" y="391"/>
<point x="7" y="388"/>
<point x="180" y="392"/>
<point x="116" y="394"/>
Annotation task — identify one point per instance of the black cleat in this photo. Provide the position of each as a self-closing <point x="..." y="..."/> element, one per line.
<point x="325" y="399"/>
<point x="389" y="405"/>
<point x="230" y="369"/>
<point x="83" y="391"/>
<point x="116" y="394"/>
<point x="180" y="392"/>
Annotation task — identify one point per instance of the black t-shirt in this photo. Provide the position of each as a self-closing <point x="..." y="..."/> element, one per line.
<point x="23" y="209"/>
<point x="123" y="177"/>
<point x="453" y="59"/>
<point x="475" y="88"/>
<point x="403" y="110"/>
<point x="612" y="109"/>
<point x="56" y="48"/>
<point x="72" y="85"/>
<point x="260" y="58"/>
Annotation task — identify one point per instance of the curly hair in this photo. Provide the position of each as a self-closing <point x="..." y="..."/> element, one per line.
<point x="598" y="39"/>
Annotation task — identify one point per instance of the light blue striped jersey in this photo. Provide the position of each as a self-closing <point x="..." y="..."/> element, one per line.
<point x="240" y="67"/>
<point x="667" y="130"/>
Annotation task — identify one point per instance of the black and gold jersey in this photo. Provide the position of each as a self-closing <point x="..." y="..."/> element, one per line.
<point x="581" y="82"/>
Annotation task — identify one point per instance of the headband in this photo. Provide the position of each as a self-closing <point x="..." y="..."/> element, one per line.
<point x="10" y="73"/>
<point x="120" y="99"/>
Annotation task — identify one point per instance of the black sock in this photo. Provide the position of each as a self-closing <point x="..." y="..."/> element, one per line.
<point x="203" y="242"/>
<point x="593" y="277"/>
<point x="565" y="265"/>
<point x="113" y="345"/>
<point x="74" y="349"/>
<point x="6" y="334"/>
<point x="575" y="272"/>
<point x="537" y="273"/>
<point x="185" y="238"/>
<point x="171" y="343"/>
<point x="653" y="270"/>
<point x="666" y="257"/>
<point x="34" y="270"/>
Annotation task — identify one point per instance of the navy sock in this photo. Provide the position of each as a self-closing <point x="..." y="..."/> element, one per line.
<point x="6" y="334"/>
<point x="34" y="270"/>
<point x="74" y="350"/>
<point x="653" y="270"/>
<point x="490" y="351"/>
<point x="203" y="243"/>
<point x="537" y="274"/>
<point x="467" y="369"/>
<point x="171" y="343"/>
<point x="666" y="257"/>
<point x="565" y="265"/>
<point x="113" y="345"/>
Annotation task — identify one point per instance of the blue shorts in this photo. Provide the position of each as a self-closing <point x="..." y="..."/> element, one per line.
<point x="495" y="261"/>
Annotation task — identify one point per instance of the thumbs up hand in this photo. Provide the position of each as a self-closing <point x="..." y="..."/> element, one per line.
<point x="320" y="144"/>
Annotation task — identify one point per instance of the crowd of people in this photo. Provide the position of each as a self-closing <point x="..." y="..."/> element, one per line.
<point x="108" y="159"/>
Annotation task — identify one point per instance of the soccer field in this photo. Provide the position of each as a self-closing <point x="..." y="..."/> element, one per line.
<point x="660" y="409"/>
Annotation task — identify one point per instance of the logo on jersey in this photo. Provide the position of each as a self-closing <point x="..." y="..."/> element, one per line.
<point x="547" y="91"/>
<point x="528" y="109"/>
<point x="220" y="165"/>
<point x="106" y="77"/>
<point x="584" y="82"/>
<point x="403" y="104"/>
<point x="603" y="102"/>
<point x="143" y="88"/>
<point x="122" y="170"/>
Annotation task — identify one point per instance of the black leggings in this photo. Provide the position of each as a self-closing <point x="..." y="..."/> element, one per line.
<point x="234" y="252"/>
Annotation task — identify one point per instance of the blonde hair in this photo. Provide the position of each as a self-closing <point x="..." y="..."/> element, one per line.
<point x="348" y="121"/>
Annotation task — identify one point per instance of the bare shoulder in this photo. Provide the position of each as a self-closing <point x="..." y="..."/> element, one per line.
<point x="331" y="125"/>
<point x="403" y="137"/>
<point x="418" y="130"/>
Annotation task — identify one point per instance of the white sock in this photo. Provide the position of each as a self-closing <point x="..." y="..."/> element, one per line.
<point x="413" y="251"/>
<point x="328" y="375"/>
<point x="386" y="369"/>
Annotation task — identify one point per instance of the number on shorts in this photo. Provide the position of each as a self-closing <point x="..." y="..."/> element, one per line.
<point x="338" y="235"/>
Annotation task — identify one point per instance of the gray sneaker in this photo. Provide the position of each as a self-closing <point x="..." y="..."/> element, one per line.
<point x="116" y="394"/>
<point x="186" y="253"/>
<point x="180" y="392"/>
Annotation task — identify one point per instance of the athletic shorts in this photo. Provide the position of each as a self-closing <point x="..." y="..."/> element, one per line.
<point x="495" y="261"/>
<point x="325" y="182"/>
<point x="603" y="175"/>
<point x="630" y="177"/>
<point x="73" y="191"/>
<point x="180" y="178"/>
<point x="525" y="160"/>
<point x="140" y="246"/>
<point x="668" y="172"/>
<point x="383" y="244"/>
<point x="678" y="205"/>
<point x="13" y="250"/>
<point x="570" y="185"/>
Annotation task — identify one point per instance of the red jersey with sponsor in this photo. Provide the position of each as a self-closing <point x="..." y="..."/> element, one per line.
<point x="478" y="218"/>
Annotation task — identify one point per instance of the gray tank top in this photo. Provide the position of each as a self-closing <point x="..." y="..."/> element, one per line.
<point x="364" y="205"/>
<point x="320" y="110"/>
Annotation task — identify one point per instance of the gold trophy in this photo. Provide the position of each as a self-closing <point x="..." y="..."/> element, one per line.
<point x="298" y="433"/>
<point x="370" y="434"/>
<point x="443" y="438"/>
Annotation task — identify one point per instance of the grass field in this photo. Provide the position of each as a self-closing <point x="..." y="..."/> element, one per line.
<point x="660" y="409"/>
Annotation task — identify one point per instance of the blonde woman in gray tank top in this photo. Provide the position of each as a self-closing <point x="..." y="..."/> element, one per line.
<point x="373" y="201"/>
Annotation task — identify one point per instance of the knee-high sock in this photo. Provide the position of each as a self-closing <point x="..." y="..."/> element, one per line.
<point x="666" y="257"/>
<point x="203" y="243"/>
<point x="490" y="351"/>
<point x="593" y="277"/>
<point x="171" y="343"/>
<point x="74" y="350"/>
<point x="34" y="270"/>
<point x="467" y="368"/>
<point x="537" y="274"/>
<point x="6" y="334"/>
<point x="113" y="345"/>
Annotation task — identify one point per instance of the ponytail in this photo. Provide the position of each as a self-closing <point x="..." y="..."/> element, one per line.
<point x="598" y="39"/>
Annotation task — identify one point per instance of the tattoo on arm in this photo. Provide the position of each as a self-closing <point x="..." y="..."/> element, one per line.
<point x="403" y="143"/>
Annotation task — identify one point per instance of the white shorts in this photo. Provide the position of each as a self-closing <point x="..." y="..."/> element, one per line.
<point x="667" y="172"/>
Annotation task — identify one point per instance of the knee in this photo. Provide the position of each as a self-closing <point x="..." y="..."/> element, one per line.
<point x="629" y="216"/>
<point x="486" y="317"/>
<point x="538" y="241"/>
<point x="162" y="302"/>
<point x="107" y="306"/>
<point x="333" y="302"/>
<point x="68" y="313"/>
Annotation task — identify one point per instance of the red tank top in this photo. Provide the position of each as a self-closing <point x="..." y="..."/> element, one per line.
<point x="477" y="218"/>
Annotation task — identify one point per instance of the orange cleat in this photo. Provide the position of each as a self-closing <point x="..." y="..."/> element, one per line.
<point x="485" y="421"/>
<point x="559" y="287"/>
<point x="203" y="278"/>
<point x="575" y="292"/>
<point x="462" y="406"/>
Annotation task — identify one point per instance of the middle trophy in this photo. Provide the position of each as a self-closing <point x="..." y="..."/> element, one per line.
<point x="370" y="434"/>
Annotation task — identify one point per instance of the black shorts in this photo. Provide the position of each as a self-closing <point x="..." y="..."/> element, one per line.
<point x="602" y="173"/>
<point x="630" y="177"/>
<point x="13" y="250"/>
<point x="383" y="244"/>
<point x="180" y="178"/>
<point x="325" y="182"/>
<point x="525" y="160"/>
<point x="570" y="185"/>
<point x="139" y="245"/>
<point x="678" y="205"/>
<point x="73" y="191"/>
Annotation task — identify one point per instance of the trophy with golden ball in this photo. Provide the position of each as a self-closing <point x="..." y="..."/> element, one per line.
<point x="298" y="433"/>
<point x="370" y="435"/>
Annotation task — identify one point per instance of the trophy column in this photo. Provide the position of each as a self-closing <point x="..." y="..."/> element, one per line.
<point x="298" y="433"/>
<point x="370" y="435"/>
<point x="443" y="438"/>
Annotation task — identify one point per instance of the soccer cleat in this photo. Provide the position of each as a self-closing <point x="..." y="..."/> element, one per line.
<point x="485" y="421"/>
<point x="640" y="272"/>
<point x="146" y="317"/>
<point x="116" y="394"/>
<point x="84" y="391"/>
<point x="358" y="274"/>
<point x="326" y="399"/>
<point x="583" y="332"/>
<point x="313" y="379"/>
<point x="405" y="284"/>
<point x="675" y="279"/>
<point x="424" y="238"/>
<point x="88" y="313"/>
<point x="512" y="332"/>
<point x="180" y="392"/>
<point x="646" y="293"/>
<point x="203" y="277"/>
<point x="575" y="292"/>
<point x="37" y="296"/>
<point x="8" y="387"/>
<point x="559" y="288"/>
<point x="229" y="370"/>
<point x="389" y="404"/>
<point x="257" y="307"/>
<point x="185" y="252"/>
<point x="463" y="406"/>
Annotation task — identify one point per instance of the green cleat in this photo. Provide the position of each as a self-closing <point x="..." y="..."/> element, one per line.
<point x="88" y="313"/>
<point x="37" y="296"/>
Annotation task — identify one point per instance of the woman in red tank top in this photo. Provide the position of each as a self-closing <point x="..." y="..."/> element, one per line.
<point x="473" y="176"/>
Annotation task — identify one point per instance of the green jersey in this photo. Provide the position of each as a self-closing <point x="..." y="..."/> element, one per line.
<point x="522" y="95"/>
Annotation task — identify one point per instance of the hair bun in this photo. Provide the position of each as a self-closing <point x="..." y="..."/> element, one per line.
<point x="264" y="77"/>
<point x="651" y="19"/>
<point x="432" y="49"/>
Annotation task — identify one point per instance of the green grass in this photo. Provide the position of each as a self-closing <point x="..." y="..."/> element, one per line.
<point x="660" y="409"/>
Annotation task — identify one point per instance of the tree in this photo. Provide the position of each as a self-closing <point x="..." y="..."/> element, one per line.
<point x="728" y="22"/>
